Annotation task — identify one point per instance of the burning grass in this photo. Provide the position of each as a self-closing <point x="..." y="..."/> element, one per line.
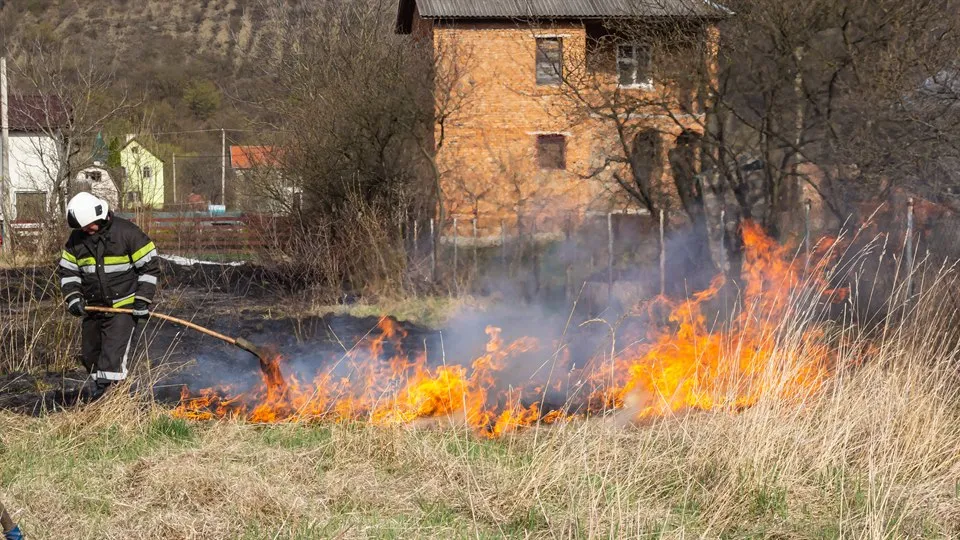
<point x="814" y="430"/>
<point x="872" y="455"/>
<point x="686" y="362"/>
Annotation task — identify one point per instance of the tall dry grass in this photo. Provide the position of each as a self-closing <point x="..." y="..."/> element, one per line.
<point x="35" y="332"/>
<point x="873" y="453"/>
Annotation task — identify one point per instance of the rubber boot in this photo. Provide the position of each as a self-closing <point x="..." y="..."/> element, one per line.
<point x="100" y="389"/>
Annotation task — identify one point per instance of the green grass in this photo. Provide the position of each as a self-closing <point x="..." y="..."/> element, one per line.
<point x="432" y="311"/>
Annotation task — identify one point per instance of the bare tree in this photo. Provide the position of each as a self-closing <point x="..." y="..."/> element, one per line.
<point x="76" y="96"/>
<point x="353" y="117"/>
<point x="772" y="103"/>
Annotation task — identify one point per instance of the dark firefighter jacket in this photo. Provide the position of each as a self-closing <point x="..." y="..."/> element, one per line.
<point x="113" y="267"/>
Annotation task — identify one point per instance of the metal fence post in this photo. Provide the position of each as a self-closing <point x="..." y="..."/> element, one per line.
<point x="503" y="247"/>
<point x="536" y="258"/>
<point x="663" y="259"/>
<point x="476" y="241"/>
<point x="723" y="240"/>
<point x="609" y="257"/>
<point x="568" y="271"/>
<point x="416" y="240"/>
<point x="909" y="249"/>
<point x="806" y="235"/>
<point x="433" y="251"/>
<point x="456" y="238"/>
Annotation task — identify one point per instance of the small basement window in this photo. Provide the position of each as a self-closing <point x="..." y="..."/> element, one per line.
<point x="552" y="151"/>
<point x="549" y="61"/>
<point x="633" y="65"/>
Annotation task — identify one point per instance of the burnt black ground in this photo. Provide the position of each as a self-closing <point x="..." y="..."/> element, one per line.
<point x="309" y="346"/>
<point x="239" y="301"/>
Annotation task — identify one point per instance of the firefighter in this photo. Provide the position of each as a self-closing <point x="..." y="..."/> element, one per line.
<point x="107" y="261"/>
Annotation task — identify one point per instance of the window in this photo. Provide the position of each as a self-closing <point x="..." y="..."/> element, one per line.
<point x="31" y="205"/>
<point x="135" y="149"/>
<point x="633" y="65"/>
<point x="552" y="151"/>
<point x="645" y="157"/>
<point x="146" y="173"/>
<point x="94" y="176"/>
<point x="133" y="198"/>
<point x="549" y="60"/>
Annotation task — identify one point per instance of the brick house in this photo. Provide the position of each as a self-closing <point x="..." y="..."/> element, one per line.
<point x="517" y="147"/>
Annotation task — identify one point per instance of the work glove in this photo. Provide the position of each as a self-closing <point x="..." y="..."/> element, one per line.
<point x="141" y="309"/>
<point x="13" y="534"/>
<point x="77" y="307"/>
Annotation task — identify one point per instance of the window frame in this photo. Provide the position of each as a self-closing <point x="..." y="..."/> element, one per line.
<point x="146" y="172"/>
<point x="548" y="138"/>
<point x="634" y="61"/>
<point x="556" y="67"/>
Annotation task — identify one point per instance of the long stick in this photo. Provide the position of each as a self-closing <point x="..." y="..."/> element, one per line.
<point x="238" y="342"/>
<point x="170" y="318"/>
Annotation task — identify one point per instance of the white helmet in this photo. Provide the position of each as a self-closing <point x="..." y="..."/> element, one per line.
<point x="84" y="209"/>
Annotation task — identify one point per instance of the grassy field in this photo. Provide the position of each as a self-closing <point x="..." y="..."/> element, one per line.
<point x="877" y="455"/>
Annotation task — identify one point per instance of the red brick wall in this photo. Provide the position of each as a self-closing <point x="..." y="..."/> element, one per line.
<point x="488" y="160"/>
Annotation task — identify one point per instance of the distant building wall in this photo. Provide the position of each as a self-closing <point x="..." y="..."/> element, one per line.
<point x="144" y="176"/>
<point x="35" y="162"/>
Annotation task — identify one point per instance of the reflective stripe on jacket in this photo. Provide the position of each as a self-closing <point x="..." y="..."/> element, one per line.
<point x="113" y="267"/>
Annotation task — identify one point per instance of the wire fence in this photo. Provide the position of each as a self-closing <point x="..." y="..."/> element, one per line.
<point x="600" y="259"/>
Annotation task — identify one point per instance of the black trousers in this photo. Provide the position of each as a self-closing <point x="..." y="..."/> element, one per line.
<point x="107" y="344"/>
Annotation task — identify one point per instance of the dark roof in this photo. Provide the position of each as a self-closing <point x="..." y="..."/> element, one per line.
<point x="34" y="114"/>
<point x="555" y="9"/>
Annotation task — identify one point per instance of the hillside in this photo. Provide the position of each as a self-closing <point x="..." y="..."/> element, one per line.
<point x="157" y="49"/>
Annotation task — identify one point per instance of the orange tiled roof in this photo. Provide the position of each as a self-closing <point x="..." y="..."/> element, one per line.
<point x="247" y="157"/>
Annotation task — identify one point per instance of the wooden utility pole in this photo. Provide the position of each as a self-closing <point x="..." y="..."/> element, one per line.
<point x="4" y="159"/>
<point x="223" y="168"/>
<point x="174" y="179"/>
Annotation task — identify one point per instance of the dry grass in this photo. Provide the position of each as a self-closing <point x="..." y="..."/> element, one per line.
<point x="874" y="455"/>
<point x="35" y="331"/>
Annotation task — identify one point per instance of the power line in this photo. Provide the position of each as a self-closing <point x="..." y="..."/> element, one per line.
<point x="218" y="130"/>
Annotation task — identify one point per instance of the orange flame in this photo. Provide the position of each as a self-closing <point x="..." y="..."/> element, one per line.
<point x="684" y="365"/>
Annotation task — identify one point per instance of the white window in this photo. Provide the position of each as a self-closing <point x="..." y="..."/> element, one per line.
<point x="135" y="149"/>
<point x="94" y="176"/>
<point x="133" y="197"/>
<point x="633" y="66"/>
<point x="147" y="173"/>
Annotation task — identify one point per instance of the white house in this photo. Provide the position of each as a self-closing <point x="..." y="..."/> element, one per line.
<point x="37" y="153"/>
<point x="97" y="180"/>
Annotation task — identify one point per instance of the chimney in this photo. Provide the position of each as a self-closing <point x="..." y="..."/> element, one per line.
<point x="130" y="137"/>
